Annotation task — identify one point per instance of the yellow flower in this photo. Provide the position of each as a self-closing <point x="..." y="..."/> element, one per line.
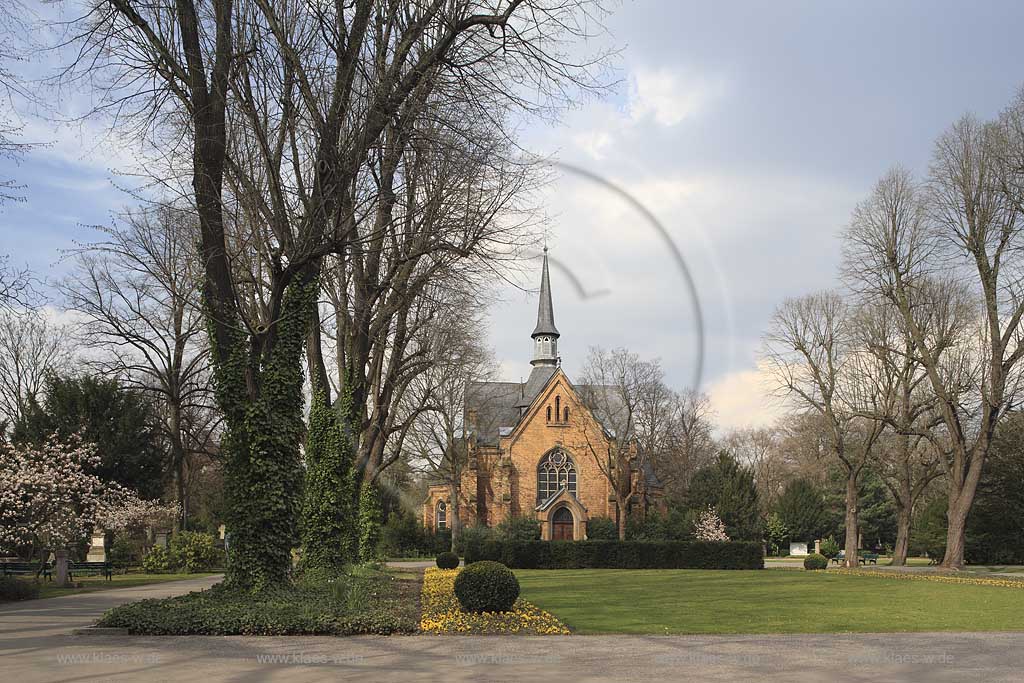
<point x="442" y="613"/>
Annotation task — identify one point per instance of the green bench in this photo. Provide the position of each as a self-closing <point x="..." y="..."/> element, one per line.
<point x="95" y="568"/>
<point x="863" y="558"/>
<point x="26" y="568"/>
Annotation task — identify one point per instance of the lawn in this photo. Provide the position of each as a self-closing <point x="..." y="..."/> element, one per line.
<point x="98" y="583"/>
<point x="697" y="601"/>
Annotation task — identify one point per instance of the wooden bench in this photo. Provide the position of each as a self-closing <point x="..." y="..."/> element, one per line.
<point x="26" y="568"/>
<point x="96" y="568"/>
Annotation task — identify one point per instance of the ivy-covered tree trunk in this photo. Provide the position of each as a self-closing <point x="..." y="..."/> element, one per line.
<point x="327" y="514"/>
<point x="370" y="514"/>
<point x="259" y="390"/>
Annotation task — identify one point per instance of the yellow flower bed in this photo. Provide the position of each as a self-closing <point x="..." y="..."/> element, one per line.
<point x="937" y="578"/>
<point x="442" y="613"/>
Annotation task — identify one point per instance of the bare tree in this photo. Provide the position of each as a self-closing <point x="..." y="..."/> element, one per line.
<point x="620" y="391"/>
<point x="947" y="257"/>
<point x="807" y="350"/>
<point x="31" y="346"/>
<point x="137" y="291"/>
<point x="676" y="430"/>
<point x="282" y="105"/>
<point x="908" y="458"/>
<point x="760" y="448"/>
<point x="441" y="435"/>
<point x="15" y="48"/>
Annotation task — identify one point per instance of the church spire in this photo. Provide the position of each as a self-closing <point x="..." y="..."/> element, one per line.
<point x="545" y="334"/>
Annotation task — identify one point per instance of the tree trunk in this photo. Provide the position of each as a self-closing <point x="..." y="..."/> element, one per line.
<point x="899" y="553"/>
<point x="852" y="527"/>
<point x="956" y="516"/>
<point x="455" y="523"/>
<point x="620" y="510"/>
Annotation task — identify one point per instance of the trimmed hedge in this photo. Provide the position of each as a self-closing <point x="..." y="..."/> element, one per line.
<point x="618" y="554"/>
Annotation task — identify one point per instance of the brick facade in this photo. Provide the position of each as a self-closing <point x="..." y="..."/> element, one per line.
<point x="502" y="481"/>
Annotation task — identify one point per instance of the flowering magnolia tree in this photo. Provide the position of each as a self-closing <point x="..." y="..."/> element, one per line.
<point x="48" y="498"/>
<point x="709" y="527"/>
<point x="122" y="509"/>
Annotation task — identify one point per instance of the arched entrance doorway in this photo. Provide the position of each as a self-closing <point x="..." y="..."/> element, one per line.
<point x="561" y="525"/>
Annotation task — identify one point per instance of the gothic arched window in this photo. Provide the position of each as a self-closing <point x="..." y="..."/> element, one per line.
<point x="566" y="414"/>
<point x="555" y="471"/>
<point x="441" y="517"/>
<point x="549" y="413"/>
<point x="558" y="407"/>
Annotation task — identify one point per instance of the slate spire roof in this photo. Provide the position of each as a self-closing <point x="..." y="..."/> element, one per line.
<point x="545" y="311"/>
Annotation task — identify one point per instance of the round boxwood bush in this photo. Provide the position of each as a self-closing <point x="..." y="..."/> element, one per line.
<point x="486" y="586"/>
<point x="447" y="560"/>
<point x="815" y="561"/>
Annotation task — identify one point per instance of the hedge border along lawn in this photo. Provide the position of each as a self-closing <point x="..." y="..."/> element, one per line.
<point x="619" y="554"/>
<point x="362" y="600"/>
<point x="442" y="613"/>
<point x="663" y="602"/>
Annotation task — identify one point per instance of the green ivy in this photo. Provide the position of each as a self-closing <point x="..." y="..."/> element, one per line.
<point x="260" y="395"/>
<point x="327" y="514"/>
<point x="370" y="515"/>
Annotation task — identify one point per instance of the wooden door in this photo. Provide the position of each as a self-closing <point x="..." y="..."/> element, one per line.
<point x="561" y="525"/>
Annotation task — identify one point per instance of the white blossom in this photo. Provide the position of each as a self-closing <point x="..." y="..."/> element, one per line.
<point x="709" y="527"/>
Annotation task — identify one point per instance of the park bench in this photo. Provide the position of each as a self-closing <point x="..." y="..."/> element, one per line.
<point x="25" y="568"/>
<point x="96" y="568"/>
<point x="863" y="558"/>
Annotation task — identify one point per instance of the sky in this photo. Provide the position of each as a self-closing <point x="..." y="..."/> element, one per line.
<point x="746" y="131"/>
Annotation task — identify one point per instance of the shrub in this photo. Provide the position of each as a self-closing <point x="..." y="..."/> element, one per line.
<point x="815" y="561"/>
<point x="193" y="551"/>
<point x="157" y="561"/>
<point x="13" y="588"/>
<point x="364" y="600"/>
<point x="486" y="587"/>
<point x="122" y="553"/>
<point x="518" y="528"/>
<point x="403" y="535"/>
<point x="830" y="547"/>
<point x="619" y="554"/>
<point x="602" y="529"/>
<point x="447" y="560"/>
<point x="471" y="538"/>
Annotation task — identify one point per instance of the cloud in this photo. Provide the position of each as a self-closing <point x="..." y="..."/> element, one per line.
<point x="743" y="399"/>
<point x="672" y="95"/>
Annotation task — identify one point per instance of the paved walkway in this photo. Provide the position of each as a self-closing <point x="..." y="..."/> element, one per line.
<point x="36" y="645"/>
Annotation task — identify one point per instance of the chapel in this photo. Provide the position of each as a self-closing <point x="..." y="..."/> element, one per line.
<point x="534" y="448"/>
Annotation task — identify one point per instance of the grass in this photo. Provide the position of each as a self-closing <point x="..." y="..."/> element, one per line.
<point x="362" y="599"/>
<point x="697" y="601"/>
